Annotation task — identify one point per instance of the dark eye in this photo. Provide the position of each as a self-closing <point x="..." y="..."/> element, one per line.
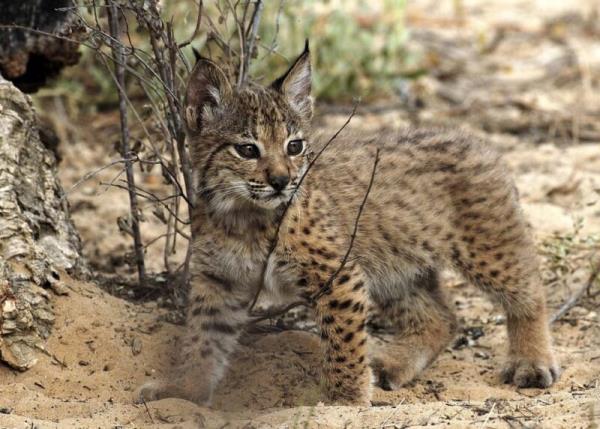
<point x="248" y="151"/>
<point x="295" y="147"/>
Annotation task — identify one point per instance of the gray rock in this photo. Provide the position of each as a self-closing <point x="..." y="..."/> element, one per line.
<point x="37" y="238"/>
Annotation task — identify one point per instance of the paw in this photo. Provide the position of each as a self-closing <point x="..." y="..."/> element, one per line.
<point x="523" y="372"/>
<point x="384" y="380"/>
<point x="156" y="390"/>
<point x="151" y="391"/>
<point x="389" y="375"/>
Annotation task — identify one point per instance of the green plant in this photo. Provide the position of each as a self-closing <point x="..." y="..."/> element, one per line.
<point x="358" y="48"/>
<point x="563" y="251"/>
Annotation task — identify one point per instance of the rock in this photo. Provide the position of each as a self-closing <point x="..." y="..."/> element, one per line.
<point x="37" y="238"/>
<point x="19" y="352"/>
<point x="136" y="346"/>
<point x="482" y="355"/>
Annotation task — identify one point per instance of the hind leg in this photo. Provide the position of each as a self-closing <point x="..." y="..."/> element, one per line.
<point x="409" y="331"/>
<point x="498" y="255"/>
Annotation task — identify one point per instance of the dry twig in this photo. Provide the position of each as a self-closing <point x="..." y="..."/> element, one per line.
<point x="250" y="37"/>
<point x="327" y="286"/>
<point x="275" y="239"/>
<point x="125" y="150"/>
<point x="574" y="299"/>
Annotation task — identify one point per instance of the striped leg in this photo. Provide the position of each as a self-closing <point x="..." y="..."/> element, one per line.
<point x="216" y="317"/>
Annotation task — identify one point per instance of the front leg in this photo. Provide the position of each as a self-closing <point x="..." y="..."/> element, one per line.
<point x="342" y="314"/>
<point x="215" y="318"/>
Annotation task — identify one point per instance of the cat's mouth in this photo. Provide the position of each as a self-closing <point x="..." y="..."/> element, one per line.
<point x="271" y="198"/>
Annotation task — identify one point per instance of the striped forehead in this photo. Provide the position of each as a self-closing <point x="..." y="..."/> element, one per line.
<point x="267" y="118"/>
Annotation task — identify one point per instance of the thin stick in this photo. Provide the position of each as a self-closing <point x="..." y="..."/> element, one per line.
<point x="91" y="174"/>
<point x="487" y="418"/>
<point x="251" y="37"/>
<point x="167" y="70"/>
<point x="289" y="203"/>
<point x="163" y="164"/>
<point x="574" y="299"/>
<point x="196" y="30"/>
<point x="241" y="37"/>
<point x="95" y="48"/>
<point x="147" y="410"/>
<point x="327" y="287"/>
<point x="125" y="150"/>
<point x="150" y="197"/>
<point x="354" y="231"/>
<point x="271" y="49"/>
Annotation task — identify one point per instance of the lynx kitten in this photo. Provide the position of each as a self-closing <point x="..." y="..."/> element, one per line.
<point x="439" y="199"/>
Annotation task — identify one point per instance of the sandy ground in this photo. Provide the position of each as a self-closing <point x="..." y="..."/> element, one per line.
<point x="521" y="73"/>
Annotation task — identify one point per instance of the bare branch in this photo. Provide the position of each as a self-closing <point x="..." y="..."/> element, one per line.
<point x="250" y="37"/>
<point x="150" y="197"/>
<point x="574" y="299"/>
<point x="272" y="49"/>
<point x="327" y="286"/>
<point x="275" y="239"/>
<point x="196" y="29"/>
<point x="241" y="36"/>
<point x="125" y="150"/>
<point x="89" y="175"/>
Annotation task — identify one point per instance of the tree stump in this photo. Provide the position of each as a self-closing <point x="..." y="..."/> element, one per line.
<point x="41" y="39"/>
<point x="38" y="242"/>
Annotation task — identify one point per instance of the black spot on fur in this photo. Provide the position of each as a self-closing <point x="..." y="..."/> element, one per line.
<point x="358" y="285"/>
<point x="426" y="246"/>
<point x="328" y="319"/>
<point x="219" y="327"/>
<point x="345" y="304"/>
<point x="343" y="279"/>
<point x="207" y="311"/>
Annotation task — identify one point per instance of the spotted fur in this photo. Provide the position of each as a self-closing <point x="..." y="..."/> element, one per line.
<point x="439" y="199"/>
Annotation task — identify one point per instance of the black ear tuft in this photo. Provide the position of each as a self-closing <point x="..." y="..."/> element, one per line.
<point x="296" y="84"/>
<point x="206" y="89"/>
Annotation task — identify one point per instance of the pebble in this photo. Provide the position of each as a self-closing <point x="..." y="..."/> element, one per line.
<point x="482" y="355"/>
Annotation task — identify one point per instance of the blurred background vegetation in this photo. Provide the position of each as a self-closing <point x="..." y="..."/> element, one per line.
<point x="358" y="48"/>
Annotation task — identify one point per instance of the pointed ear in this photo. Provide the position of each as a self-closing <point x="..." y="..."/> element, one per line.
<point x="207" y="87"/>
<point x="295" y="84"/>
